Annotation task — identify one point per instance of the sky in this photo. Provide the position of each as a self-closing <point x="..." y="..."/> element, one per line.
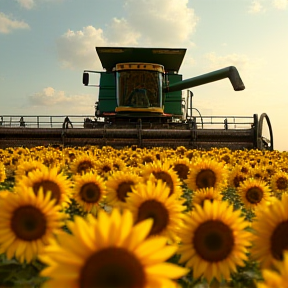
<point x="46" y="44"/>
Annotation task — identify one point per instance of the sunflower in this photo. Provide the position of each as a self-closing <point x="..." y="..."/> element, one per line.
<point x="118" y="164"/>
<point x="236" y="177"/>
<point x="192" y="154"/>
<point x="163" y="171"/>
<point x="214" y="240"/>
<point x="83" y="163"/>
<point x="245" y="168"/>
<point x="270" y="233"/>
<point x="49" y="180"/>
<point x="181" y="166"/>
<point x="4" y="193"/>
<point x="28" y="221"/>
<point x="181" y="150"/>
<point x="26" y="166"/>
<point x="105" y="167"/>
<point x="89" y="191"/>
<point x="205" y="174"/>
<point x="259" y="172"/>
<point x="278" y="278"/>
<point x="203" y="194"/>
<point x="279" y="182"/>
<point x="2" y="172"/>
<point x="110" y="252"/>
<point x="147" y="157"/>
<point x="254" y="193"/>
<point x="153" y="200"/>
<point x="119" y="184"/>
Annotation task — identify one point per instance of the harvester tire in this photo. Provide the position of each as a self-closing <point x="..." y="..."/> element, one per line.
<point x="262" y="142"/>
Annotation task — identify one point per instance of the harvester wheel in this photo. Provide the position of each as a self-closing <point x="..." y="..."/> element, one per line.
<point x="262" y="142"/>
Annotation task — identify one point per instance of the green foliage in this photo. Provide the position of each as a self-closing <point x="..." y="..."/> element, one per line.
<point x="187" y="195"/>
<point x="17" y="275"/>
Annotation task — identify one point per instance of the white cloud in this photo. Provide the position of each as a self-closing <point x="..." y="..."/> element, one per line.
<point x="7" y="24"/>
<point x="280" y="4"/>
<point x="77" y="49"/>
<point x="256" y="7"/>
<point x="217" y="62"/>
<point x="27" y="4"/>
<point x="248" y="68"/>
<point x="166" y="22"/>
<point x="53" y="100"/>
<point x="120" y="33"/>
<point x="143" y="25"/>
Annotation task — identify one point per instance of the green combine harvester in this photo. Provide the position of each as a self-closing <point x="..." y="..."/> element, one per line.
<point x="141" y="103"/>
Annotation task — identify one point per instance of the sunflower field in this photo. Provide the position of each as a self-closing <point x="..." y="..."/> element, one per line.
<point x="90" y="217"/>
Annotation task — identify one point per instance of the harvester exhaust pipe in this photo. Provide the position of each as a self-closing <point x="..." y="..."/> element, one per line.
<point x="229" y="72"/>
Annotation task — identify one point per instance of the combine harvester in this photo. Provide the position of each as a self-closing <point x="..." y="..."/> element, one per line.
<point x="141" y="103"/>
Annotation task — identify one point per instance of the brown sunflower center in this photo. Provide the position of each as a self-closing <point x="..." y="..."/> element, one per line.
<point x="182" y="170"/>
<point x="123" y="189"/>
<point x="190" y="155"/>
<point x="165" y="177"/>
<point x="48" y="185"/>
<point x="28" y="223"/>
<point x="84" y="166"/>
<point x="157" y="211"/>
<point x="206" y="178"/>
<point x="112" y="267"/>
<point x="147" y="159"/>
<point x="244" y="170"/>
<point x="282" y="183"/>
<point x="106" y="168"/>
<point x="254" y="195"/>
<point x="90" y="193"/>
<point x="213" y="241"/>
<point x="279" y="240"/>
<point x="226" y="158"/>
<point x="237" y="180"/>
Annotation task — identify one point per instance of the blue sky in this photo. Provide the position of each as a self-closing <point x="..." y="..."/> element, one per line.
<point x="46" y="44"/>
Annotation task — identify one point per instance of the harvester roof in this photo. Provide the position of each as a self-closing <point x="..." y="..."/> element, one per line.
<point x="170" y="58"/>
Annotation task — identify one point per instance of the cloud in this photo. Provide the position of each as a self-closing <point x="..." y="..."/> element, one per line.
<point x="163" y="22"/>
<point x="53" y="100"/>
<point x="7" y="24"/>
<point x="217" y="62"/>
<point x="256" y="7"/>
<point x="77" y="49"/>
<point x="27" y="4"/>
<point x="143" y="26"/>
<point x="248" y="68"/>
<point x="280" y="4"/>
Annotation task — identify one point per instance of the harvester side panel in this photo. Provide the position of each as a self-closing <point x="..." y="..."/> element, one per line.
<point x="173" y="100"/>
<point x="107" y="93"/>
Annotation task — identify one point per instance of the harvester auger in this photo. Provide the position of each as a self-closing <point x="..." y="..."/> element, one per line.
<point x="141" y="103"/>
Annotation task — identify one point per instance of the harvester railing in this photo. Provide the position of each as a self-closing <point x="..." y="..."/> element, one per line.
<point x="43" y="121"/>
<point x="48" y="121"/>
<point x="224" y="122"/>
